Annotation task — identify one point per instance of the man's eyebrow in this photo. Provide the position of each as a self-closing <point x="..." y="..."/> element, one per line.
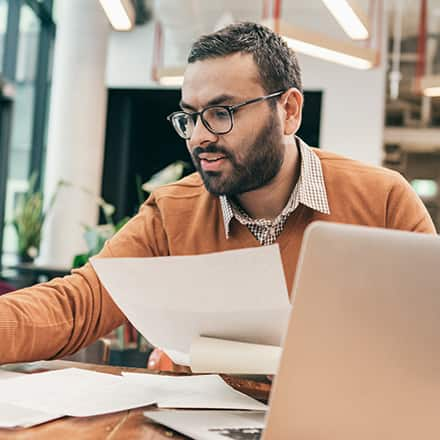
<point x="221" y="99"/>
<point x="184" y="105"/>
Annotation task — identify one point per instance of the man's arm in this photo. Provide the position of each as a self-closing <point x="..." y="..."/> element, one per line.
<point x="405" y="210"/>
<point x="59" y="317"/>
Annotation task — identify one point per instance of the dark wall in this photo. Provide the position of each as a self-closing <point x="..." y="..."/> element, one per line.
<point x="140" y="141"/>
<point x="311" y="122"/>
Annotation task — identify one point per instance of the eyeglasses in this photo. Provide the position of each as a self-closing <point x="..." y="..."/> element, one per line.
<point x="218" y="119"/>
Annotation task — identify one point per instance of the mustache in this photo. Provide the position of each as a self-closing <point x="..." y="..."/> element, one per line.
<point x="212" y="148"/>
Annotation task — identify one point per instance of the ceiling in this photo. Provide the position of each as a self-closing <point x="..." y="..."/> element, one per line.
<point x="308" y="13"/>
<point x="184" y="20"/>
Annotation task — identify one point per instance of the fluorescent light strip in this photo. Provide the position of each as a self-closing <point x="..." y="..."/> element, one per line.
<point x="171" y="80"/>
<point x="328" y="54"/>
<point x="118" y="14"/>
<point x="324" y="47"/>
<point x="432" y="91"/>
<point x="170" y="76"/>
<point x="430" y="84"/>
<point x="349" y="19"/>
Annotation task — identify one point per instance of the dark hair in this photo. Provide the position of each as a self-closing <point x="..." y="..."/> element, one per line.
<point x="276" y="62"/>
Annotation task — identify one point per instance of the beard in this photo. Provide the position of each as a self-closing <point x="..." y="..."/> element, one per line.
<point x="261" y="161"/>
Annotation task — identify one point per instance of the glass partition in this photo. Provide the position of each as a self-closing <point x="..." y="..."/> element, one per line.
<point x="3" y="22"/>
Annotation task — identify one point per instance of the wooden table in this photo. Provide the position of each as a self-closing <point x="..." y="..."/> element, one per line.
<point x="28" y="274"/>
<point x="130" y="424"/>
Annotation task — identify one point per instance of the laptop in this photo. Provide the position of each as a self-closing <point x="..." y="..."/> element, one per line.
<point x="361" y="357"/>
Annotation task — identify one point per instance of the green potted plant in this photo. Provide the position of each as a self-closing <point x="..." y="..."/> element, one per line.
<point x="96" y="236"/>
<point x="28" y="220"/>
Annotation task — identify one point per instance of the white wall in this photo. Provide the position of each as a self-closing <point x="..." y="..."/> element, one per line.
<point x="129" y="58"/>
<point x="352" y="117"/>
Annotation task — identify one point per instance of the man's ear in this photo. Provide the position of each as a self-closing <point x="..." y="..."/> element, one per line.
<point x="292" y="103"/>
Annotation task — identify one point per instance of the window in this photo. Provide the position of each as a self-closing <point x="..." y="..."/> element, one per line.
<point x="3" y="21"/>
<point x="23" y="114"/>
<point x="27" y="32"/>
<point x="21" y="140"/>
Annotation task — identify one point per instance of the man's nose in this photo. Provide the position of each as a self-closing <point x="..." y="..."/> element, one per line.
<point x="201" y="135"/>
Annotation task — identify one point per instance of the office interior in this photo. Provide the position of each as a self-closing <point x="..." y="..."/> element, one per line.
<point x="84" y="100"/>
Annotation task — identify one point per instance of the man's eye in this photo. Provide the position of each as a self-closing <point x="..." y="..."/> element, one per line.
<point x="221" y="114"/>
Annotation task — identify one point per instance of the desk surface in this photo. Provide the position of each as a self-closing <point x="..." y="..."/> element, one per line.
<point x="130" y="424"/>
<point x="39" y="269"/>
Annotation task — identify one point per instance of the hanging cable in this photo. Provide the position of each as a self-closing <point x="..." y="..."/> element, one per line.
<point x="395" y="74"/>
<point x="265" y="13"/>
<point x="277" y="14"/>
<point x="380" y="18"/>
<point x="277" y="10"/>
<point x="421" y="47"/>
<point x="371" y="17"/>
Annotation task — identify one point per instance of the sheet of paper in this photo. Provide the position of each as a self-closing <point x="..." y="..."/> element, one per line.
<point x="239" y="295"/>
<point x="74" y="392"/>
<point x="198" y="392"/>
<point x="210" y="355"/>
<point x="24" y="367"/>
<point x="12" y="416"/>
<point x="211" y="425"/>
<point x="5" y="374"/>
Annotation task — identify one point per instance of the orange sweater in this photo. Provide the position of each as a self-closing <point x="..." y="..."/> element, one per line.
<point x="59" y="317"/>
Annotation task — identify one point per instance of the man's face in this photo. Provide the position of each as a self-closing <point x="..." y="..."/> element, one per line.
<point x="251" y="154"/>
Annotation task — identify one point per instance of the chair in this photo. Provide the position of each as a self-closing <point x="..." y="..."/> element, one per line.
<point x="159" y="361"/>
<point x="5" y="287"/>
<point x="96" y="353"/>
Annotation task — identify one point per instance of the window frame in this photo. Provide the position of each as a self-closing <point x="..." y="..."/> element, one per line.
<point x="43" y="11"/>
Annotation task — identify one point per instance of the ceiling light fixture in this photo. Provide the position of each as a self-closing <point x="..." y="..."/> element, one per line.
<point x="350" y="17"/>
<point x="323" y="47"/>
<point x="120" y="14"/>
<point x="430" y="85"/>
<point x="170" y="76"/>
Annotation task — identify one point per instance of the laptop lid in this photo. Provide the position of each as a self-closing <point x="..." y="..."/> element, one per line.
<point x="361" y="358"/>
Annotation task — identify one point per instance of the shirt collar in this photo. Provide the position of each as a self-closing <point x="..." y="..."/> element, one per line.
<point x="309" y="190"/>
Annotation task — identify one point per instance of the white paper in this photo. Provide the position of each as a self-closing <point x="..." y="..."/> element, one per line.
<point x="238" y="295"/>
<point x="210" y="355"/>
<point x="211" y="425"/>
<point x="12" y="416"/>
<point x="198" y="392"/>
<point x="73" y="392"/>
<point x="24" y="367"/>
<point x="5" y="374"/>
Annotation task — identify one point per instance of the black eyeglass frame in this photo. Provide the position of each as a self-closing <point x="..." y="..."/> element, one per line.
<point x="229" y="108"/>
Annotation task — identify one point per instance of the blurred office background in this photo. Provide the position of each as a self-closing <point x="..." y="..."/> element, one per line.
<point x="85" y="86"/>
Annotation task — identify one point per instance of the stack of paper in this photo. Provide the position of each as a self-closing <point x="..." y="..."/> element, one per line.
<point x="31" y="399"/>
<point x="202" y="392"/>
<point x="12" y="416"/>
<point x="237" y="296"/>
<point x="72" y="392"/>
<point x="5" y="374"/>
<point x="212" y="425"/>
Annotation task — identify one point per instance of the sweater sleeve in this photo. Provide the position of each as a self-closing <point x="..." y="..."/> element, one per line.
<point x="405" y="210"/>
<point x="59" y="317"/>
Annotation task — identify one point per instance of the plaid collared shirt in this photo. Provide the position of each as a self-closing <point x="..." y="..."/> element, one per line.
<point x="309" y="190"/>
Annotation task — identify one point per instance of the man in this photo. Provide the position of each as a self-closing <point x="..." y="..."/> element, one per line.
<point x="256" y="184"/>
